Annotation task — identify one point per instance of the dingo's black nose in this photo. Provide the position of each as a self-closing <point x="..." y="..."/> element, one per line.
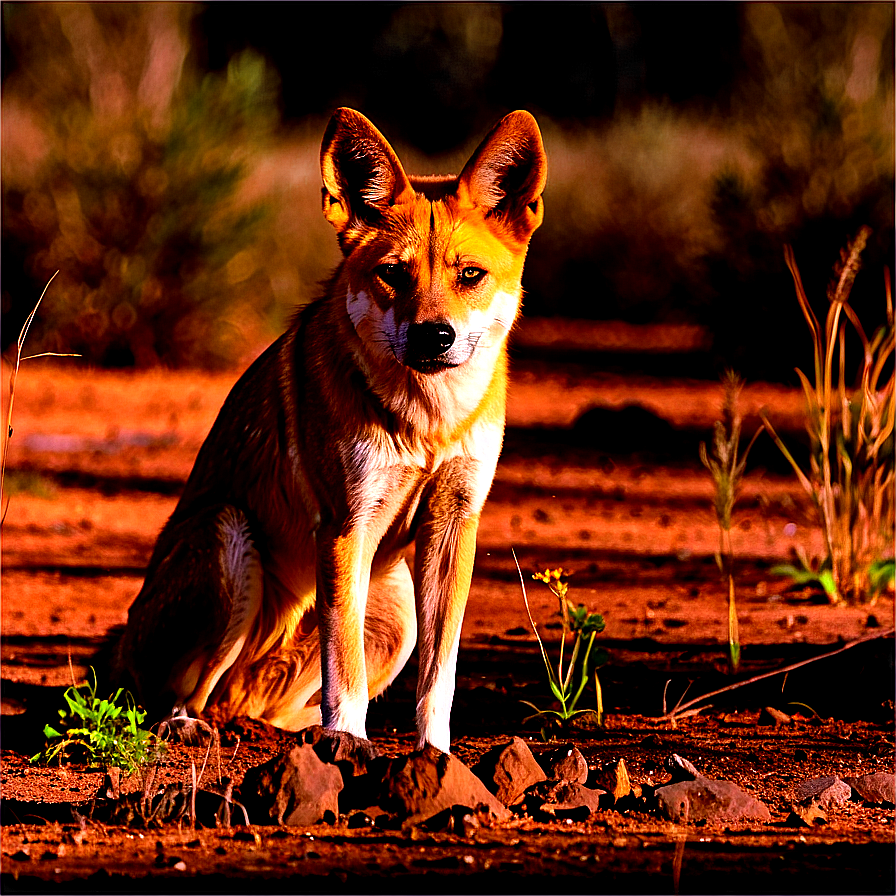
<point x="427" y="341"/>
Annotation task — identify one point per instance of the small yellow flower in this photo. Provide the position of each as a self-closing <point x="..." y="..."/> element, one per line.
<point x="553" y="578"/>
<point x="550" y="575"/>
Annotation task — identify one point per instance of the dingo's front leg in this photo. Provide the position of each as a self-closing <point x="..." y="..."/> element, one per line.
<point x="446" y="547"/>
<point x="343" y="574"/>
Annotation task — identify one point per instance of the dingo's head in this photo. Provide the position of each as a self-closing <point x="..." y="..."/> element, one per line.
<point x="433" y="265"/>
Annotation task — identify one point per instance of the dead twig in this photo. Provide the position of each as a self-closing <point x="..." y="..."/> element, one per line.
<point x="679" y="709"/>
<point x="13" y="376"/>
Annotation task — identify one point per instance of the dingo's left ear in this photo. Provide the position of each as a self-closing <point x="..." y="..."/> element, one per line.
<point x="361" y="173"/>
<point x="507" y="174"/>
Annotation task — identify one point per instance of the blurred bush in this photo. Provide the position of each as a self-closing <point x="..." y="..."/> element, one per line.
<point x="815" y="108"/>
<point x="123" y="172"/>
<point x="675" y="177"/>
<point x="628" y="224"/>
<point x="682" y="212"/>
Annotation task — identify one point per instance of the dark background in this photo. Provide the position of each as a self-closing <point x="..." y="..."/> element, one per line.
<point x="436" y="76"/>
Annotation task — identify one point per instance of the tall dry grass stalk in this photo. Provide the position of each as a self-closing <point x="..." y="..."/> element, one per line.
<point x="851" y="472"/>
<point x="13" y="376"/>
<point x="727" y="469"/>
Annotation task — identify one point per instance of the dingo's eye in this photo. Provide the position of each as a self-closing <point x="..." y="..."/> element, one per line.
<point x="471" y="275"/>
<point x="392" y="274"/>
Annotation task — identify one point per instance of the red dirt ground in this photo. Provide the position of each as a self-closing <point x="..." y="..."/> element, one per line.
<point x="96" y="463"/>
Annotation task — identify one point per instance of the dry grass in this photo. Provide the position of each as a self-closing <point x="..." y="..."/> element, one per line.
<point x="13" y="376"/>
<point x="727" y="468"/>
<point x="851" y="473"/>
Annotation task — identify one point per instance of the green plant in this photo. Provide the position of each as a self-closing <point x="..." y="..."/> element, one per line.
<point x="138" y="193"/>
<point x="726" y="471"/>
<point x="851" y="478"/>
<point x="568" y="681"/>
<point x="809" y="572"/>
<point x="102" y="731"/>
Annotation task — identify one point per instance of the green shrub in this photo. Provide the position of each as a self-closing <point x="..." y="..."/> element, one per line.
<point x="134" y="198"/>
<point x="100" y="731"/>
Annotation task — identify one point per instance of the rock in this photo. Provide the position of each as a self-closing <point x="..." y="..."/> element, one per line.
<point x="704" y="799"/>
<point x="508" y="770"/>
<point x="110" y="789"/>
<point x="681" y="769"/>
<point x="773" y="717"/>
<point x="829" y="791"/>
<point x="615" y="780"/>
<point x="457" y="820"/>
<point x="565" y="764"/>
<point x="624" y="786"/>
<point x="358" y="759"/>
<point x="562" y="799"/>
<point x="420" y="785"/>
<point x="879" y="787"/>
<point x="295" y="788"/>
<point x="805" y="816"/>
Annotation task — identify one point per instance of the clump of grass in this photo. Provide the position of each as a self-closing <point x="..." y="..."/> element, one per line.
<point x="850" y="479"/>
<point x="727" y="469"/>
<point x="100" y="731"/>
<point x="567" y="682"/>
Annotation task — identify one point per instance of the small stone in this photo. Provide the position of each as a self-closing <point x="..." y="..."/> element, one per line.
<point x="829" y="791"/>
<point x="615" y="780"/>
<point x="681" y="769"/>
<point x="704" y="799"/>
<point x="573" y="801"/>
<point x="878" y="787"/>
<point x="420" y="785"/>
<point x="110" y="789"/>
<point x="508" y="770"/>
<point x="805" y="816"/>
<point x="562" y="799"/>
<point x="565" y="763"/>
<point x="295" y="788"/>
<point x="360" y="820"/>
<point x="458" y="820"/>
<point x="623" y="783"/>
<point x="773" y="717"/>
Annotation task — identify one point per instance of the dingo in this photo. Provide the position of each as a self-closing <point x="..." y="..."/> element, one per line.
<point x="280" y="587"/>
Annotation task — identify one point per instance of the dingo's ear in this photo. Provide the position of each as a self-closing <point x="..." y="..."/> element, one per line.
<point x="507" y="174"/>
<point x="361" y="173"/>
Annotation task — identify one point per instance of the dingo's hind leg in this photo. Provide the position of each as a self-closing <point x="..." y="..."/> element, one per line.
<point x="191" y="620"/>
<point x="390" y="626"/>
<point x="390" y="631"/>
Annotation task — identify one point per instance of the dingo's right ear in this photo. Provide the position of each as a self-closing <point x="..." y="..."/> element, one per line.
<point x="361" y="173"/>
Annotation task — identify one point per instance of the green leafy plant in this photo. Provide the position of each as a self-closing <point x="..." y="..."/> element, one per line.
<point x="100" y="731"/>
<point x="574" y="668"/>
<point x="727" y="469"/>
<point x="850" y="479"/>
<point x="809" y="572"/>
